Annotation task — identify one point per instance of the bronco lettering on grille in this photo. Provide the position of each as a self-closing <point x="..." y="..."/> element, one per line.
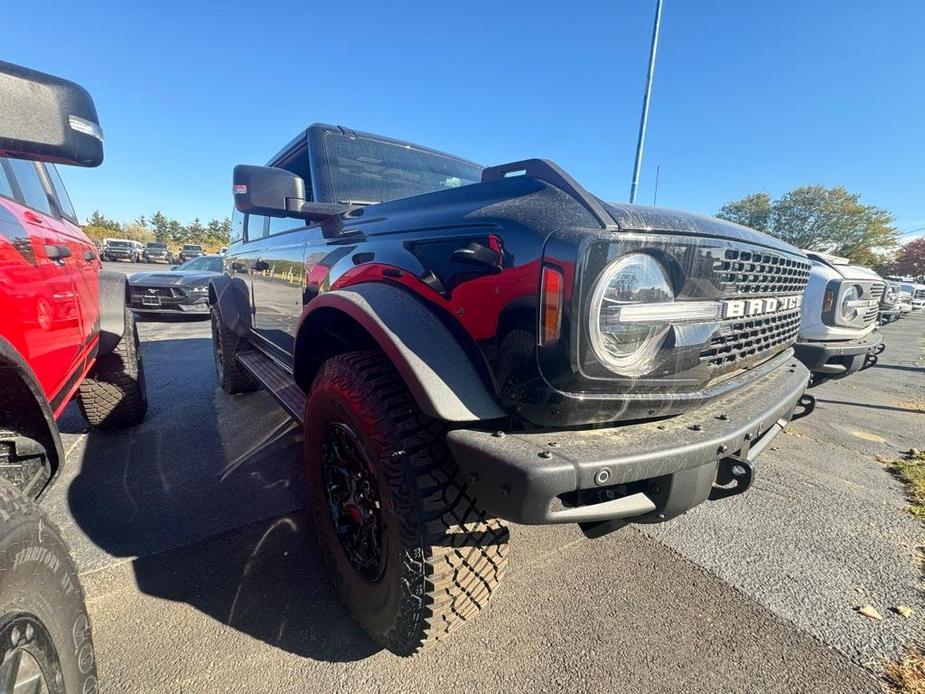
<point x="742" y="308"/>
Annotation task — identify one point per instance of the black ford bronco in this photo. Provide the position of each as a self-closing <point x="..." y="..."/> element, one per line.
<point x="466" y="346"/>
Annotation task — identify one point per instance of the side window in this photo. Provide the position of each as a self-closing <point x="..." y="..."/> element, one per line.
<point x="256" y="226"/>
<point x="64" y="201"/>
<point x="30" y="185"/>
<point x="281" y="224"/>
<point x="237" y="227"/>
<point x="6" y="189"/>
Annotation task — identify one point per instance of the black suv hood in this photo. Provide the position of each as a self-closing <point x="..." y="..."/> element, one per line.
<point x="645" y="218"/>
<point x="188" y="278"/>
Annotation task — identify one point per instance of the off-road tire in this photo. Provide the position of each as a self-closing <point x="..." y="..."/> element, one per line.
<point x="443" y="557"/>
<point x="232" y="377"/>
<point x="113" y="394"/>
<point x="42" y="605"/>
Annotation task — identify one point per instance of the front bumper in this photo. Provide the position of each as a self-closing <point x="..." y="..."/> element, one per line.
<point x="837" y="357"/>
<point x="643" y="472"/>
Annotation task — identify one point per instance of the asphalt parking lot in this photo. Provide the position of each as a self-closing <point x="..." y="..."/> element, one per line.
<point x="202" y="573"/>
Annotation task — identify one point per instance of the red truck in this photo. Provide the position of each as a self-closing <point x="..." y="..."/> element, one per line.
<point x="66" y="332"/>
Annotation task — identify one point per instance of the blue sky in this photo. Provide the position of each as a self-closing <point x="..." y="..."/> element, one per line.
<point x="748" y="96"/>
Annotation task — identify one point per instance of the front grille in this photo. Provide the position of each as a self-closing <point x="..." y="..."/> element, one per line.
<point x="873" y="309"/>
<point x="163" y="292"/>
<point x="750" y="340"/>
<point x="920" y="293"/>
<point x="761" y="273"/>
<point x="748" y="273"/>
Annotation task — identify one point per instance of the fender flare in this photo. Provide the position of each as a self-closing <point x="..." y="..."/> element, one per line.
<point x="441" y="375"/>
<point x="230" y="296"/>
<point x="113" y="300"/>
<point x="11" y="359"/>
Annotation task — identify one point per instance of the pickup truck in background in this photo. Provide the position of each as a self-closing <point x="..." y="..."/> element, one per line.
<point x="121" y="249"/>
<point x="838" y="331"/>
<point x="66" y="332"/>
<point x="156" y="252"/>
<point x="466" y="346"/>
<point x="189" y="251"/>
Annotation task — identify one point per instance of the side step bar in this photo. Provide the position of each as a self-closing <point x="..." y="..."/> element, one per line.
<point x="277" y="380"/>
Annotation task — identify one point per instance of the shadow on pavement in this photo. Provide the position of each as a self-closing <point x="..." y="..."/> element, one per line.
<point x="870" y="406"/>
<point x="209" y="494"/>
<point x="901" y="367"/>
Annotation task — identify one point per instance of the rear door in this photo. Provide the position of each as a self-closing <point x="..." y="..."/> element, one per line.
<point x="42" y="287"/>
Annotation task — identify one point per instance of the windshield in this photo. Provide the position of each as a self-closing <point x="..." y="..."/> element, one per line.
<point x="207" y="263"/>
<point x="157" y="245"/>
<point x="192" y="248"/>
<point x="120" y="244"/>
<point x="364" y="169"/>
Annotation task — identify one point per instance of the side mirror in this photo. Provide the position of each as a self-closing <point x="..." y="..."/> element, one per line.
<point x="273" y="192"/>
<point x="46" y="118"/>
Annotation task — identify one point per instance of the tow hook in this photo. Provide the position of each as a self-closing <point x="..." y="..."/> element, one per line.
<point x="873" y="356"/>
<point x="733" y="476"/>
<point x="807" y="403"/>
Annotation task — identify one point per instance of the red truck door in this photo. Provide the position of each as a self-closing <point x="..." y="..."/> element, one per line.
<point x="37" y="285"/>
<point x="83" y="262"/>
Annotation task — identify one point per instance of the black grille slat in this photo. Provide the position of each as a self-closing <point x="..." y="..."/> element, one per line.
<point x="751" y="273"/>
<point x="752" y="339"/>
<point x="755" y="273"/>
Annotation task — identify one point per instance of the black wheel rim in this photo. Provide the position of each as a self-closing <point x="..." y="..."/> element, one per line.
<point x="353" y="500"/>
<point x="28" y="659"/>
<point x="217" y="349"/>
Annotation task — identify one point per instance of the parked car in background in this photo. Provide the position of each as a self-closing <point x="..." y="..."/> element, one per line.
<point x="840" y="316"/>
<point x="182" y="289"/>
<point x="121" y="249"/>
<point x="916" y="294"/>
<point x="464" y="346"/>
<point x="156" y="252"/>
<point x="905" y="302"/>
<point x="889" y="303"/>
<point x="190" y="251"/>
<point x="66" y="332"/>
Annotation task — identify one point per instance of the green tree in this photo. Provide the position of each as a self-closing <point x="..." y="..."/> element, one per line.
<point x="161" y="226"/>
<point x="176" y="232"/>
<point x="817" y="218"/>
<point x="752" y="211"/>
<point x="195" y="232"/>
<point x="97" y="219"/>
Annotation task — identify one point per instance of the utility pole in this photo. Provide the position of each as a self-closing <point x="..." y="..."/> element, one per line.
<point x="645" y="101"/>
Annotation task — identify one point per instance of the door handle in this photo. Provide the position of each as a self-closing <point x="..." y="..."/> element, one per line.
<point x="57" y="251"/>
<point x="33" y="217"/>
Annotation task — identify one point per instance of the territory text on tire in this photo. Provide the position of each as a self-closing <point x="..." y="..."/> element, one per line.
<point x="44" y="629"/>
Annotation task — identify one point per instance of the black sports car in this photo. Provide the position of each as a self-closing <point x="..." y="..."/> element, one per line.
<point x="182" y="289"/>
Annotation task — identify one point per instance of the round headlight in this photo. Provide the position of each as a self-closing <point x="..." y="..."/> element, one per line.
<point x="848" y="307"/>
<point x="625" y="347"/>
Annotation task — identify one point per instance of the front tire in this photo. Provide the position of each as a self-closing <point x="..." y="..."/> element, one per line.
<point x="113" y="395"/>
<point x="412" y="555"/>
<point x="232" y="377"/>
<point x="44" y="627"/>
